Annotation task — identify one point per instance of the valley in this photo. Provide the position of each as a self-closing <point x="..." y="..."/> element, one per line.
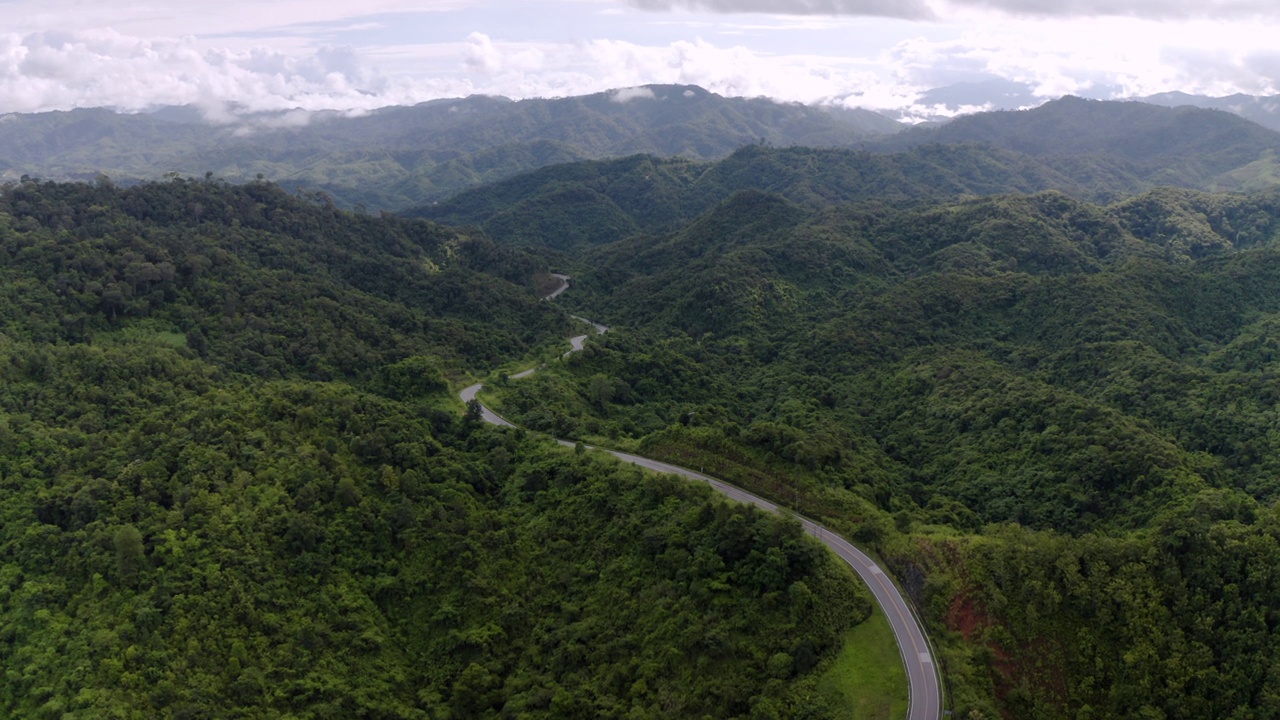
<point x="925" y="698"/>
<point x="1025" y="361"/>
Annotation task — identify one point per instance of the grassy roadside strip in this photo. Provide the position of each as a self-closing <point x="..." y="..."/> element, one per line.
<point x="866" y="679"/>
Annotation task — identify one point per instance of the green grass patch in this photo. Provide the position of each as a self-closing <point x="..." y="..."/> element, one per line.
<point x="1259" y="175"/>
<point x="144" y="332"/>
<point x="867" y="680"/>
<point x="172" y="339"/>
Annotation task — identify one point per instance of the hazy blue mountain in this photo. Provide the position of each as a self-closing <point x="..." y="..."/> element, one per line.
<point x="994" y="94"/>
<point x="402" y="156"/>
<point x="941" y="104"/>
<point x="1264" y="110"/>
<point x="1183" y="146"/>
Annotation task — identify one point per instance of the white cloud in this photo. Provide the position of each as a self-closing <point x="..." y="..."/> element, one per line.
<point x="880" y="64"/>
<point x="626" y="95"/>
<point x="733" y="71"/>
<point x="105" y="68"/>
<point x="911" y="9"/>
<point x="931" y="9"/>
<point x="1129" y="57"/>
<point x="1146" y="9"/>
<point x="481" y="55"/>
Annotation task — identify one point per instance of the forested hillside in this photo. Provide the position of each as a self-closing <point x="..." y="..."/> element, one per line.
<point x="1096" y="151"/>
<point x="260" y="279"/>
<point x="591" y="203"/>
<point x="234" y="482"/>
<point x="1057" y="419"/>
<point x="398" y="157"/>
<point x="1043" y="389"/>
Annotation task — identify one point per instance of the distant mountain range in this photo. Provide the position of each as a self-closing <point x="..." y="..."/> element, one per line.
<point x="943" y="103"/>
<point x="1181" y="146"/>
<point x="1263" y="110"/>
<point x="397" y="157"/>
<point x="406" y="157"/>
<point x="1092" y="150"/>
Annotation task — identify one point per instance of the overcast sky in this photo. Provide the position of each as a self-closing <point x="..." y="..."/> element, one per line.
<point x="880" y="54"/>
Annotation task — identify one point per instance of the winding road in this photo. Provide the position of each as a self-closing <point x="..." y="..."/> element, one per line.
<point x="922" y="674"/>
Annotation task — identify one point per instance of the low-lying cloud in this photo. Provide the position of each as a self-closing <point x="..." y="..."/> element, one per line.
<point x="104" y="68"/>
<point x="930" y="9"/>
<point x="626" y="95"/>
<point x="1145" y="9"/>
<point x="909" y="9"/>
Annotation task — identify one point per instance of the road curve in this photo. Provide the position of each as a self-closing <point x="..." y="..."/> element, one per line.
<point x="564" y="285"/>
<point x="922" y="675"/>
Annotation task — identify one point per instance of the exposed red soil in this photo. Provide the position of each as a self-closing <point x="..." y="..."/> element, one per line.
<point x="963" y="616"/>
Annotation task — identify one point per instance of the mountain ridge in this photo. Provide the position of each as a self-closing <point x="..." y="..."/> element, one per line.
<point x="400" y="156"/>
<point x="1156" y="140"/>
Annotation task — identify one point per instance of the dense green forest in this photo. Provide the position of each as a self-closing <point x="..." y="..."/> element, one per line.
<point x="1033" y="369"/>
<point x="255" y="278"/>
<point x="234" y="482"/>
<point x="584" y="204"/>
<point x="1056" y="419"/>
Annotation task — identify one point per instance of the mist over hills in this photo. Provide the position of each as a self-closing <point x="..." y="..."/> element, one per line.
<point x="1183" y="146"/>
<point x="401" y="156"/>
<point x="941" y="104"/>
<point x="1264" y="110"/>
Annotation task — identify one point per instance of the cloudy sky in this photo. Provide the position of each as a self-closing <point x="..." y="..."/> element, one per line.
<point x="881" y="54"/>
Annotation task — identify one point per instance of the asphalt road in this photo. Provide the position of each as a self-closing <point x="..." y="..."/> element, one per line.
<point x="926" y="697"/>
<point x="564" y="285"/>
<point x="922" y="676"/>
